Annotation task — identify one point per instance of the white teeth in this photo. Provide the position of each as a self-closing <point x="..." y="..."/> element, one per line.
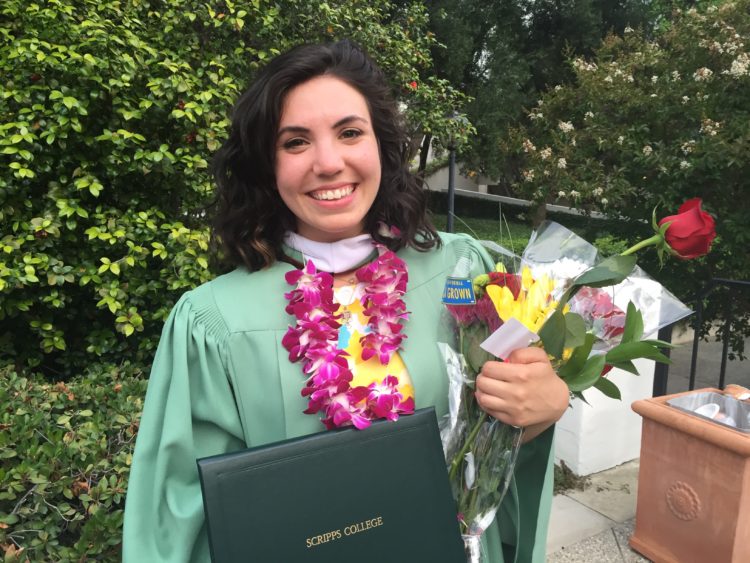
<point x="329" y="195"/>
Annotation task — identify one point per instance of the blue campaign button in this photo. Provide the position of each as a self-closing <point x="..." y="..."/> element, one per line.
<point x="459" y="291"/>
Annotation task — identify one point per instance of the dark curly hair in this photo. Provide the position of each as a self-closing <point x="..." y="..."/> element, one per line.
<point x="251" y="219"/>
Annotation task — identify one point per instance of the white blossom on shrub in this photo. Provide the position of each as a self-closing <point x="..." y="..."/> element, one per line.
<point x="687" y="147"/>
<point x="580" y="64"/>
<point x="684" y="165"/>
<point x="703" y="74"/>
<point x="565" y="126"/>
<point x="562" y="163"/>
<point x="710" y="127"/>
<point x="739" y="66"/>
<point x="647" y="150"/>
<point x="545" y="153"/>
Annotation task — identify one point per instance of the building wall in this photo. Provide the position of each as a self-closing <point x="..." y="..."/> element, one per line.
<point x="438" y="181"/>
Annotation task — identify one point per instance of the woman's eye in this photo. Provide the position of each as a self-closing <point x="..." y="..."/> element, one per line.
<point x="350" y="133"/>
<point x="293" y="143"/>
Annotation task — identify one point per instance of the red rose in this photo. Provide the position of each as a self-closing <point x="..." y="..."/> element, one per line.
<point x="413" y="84"/>
<point x="690" y="232"/>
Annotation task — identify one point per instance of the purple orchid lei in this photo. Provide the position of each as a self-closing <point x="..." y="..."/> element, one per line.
<point x="314" y="341"/>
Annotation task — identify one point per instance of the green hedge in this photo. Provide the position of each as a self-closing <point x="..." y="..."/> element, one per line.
<point x="65" y="453"/>
<point x="110" y="112"/>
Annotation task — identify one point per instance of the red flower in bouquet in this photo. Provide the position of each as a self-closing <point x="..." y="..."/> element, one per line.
<point x="485" y="310"/>
<point x="599" y="310"/>
<point x="504" y="279"/>
<point x="691" y="232"/>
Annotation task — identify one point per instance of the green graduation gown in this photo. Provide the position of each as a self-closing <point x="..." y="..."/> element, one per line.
<point x="221" y="381"/>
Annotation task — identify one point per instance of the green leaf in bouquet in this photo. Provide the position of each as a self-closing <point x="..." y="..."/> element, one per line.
<point x="609" y="271"/>
<point x="660" y="343"/>
<point x="579" y="395"/>
<point x="634" y="350"/>
<point x="608" y="388"/>
<point x="575" y="364"/>
<point x="472" y="336"/>
<point x="633" y="325"/>
<point x="625" y="365"/>
<point x="588" y="376"/>
<point x="575" y="330"/>
<point x="553" y="334"/>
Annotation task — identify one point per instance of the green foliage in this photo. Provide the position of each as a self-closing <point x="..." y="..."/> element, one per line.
<point x="505" y="53"/>
<point x="110" y="112"/>
<point x="65" y="453"/>
<point x="651" y="123"/>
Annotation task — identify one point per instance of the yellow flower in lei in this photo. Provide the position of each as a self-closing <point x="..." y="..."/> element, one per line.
<point x="533" y="304"/>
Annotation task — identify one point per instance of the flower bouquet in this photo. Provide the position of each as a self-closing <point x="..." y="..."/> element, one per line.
<point x="480" y="450"/>
<point x="589" y="315"/>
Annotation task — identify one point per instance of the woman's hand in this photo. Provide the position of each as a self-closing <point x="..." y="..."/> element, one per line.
<point x="523" y="391"/>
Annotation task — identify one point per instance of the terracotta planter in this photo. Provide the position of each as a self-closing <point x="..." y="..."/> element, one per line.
<point x="693" y="487"/>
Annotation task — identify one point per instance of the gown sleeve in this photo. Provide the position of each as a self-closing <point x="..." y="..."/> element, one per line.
<point x="189" y="413"/>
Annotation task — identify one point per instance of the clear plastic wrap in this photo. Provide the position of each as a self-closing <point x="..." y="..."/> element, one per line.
<point x="561" y="254"/>
<point x="480" y="451"/>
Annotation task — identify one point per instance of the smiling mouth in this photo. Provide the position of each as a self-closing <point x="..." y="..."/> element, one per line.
<point x="332" y="195"/>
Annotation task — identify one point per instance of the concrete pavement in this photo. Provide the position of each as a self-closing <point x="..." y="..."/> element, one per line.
<point x="593" y="525"/>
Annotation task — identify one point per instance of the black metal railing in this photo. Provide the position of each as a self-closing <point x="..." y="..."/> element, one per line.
<point x="661" y="371"/>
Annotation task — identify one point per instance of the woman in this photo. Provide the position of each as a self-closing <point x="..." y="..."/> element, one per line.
<point x="314" y="169"/>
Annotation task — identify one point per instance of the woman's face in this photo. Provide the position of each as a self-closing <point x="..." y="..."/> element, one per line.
<point x="327" y="159"/>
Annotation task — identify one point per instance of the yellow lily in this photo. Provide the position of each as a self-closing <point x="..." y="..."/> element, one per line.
<point x="533" y="304"/>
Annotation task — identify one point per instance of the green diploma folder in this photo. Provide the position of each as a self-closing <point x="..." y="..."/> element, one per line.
<point x="374" y="495"/>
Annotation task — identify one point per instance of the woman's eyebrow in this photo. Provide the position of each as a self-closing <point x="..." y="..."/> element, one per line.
<point x="349" y="119"/>
<point x="292" y="129"/>
<point x="298" y="129"/>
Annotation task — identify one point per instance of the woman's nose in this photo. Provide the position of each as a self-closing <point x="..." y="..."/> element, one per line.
<point x="328" y="160"/>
